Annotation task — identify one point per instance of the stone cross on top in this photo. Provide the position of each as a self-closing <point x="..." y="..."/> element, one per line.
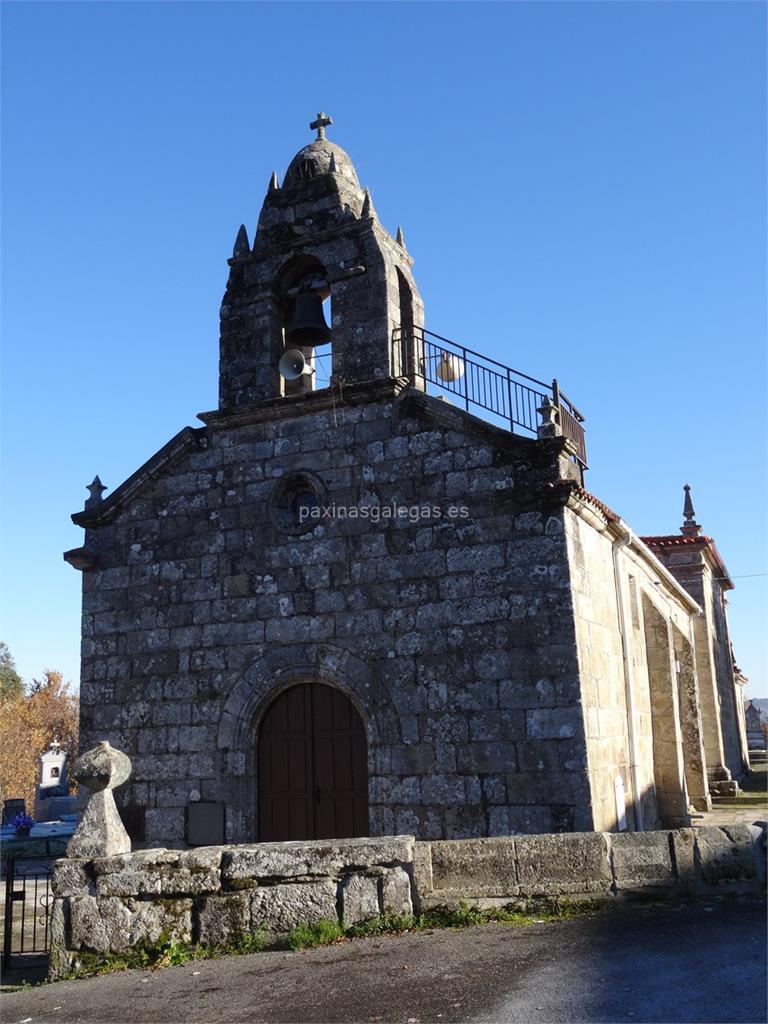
<point x="322" y="122"/>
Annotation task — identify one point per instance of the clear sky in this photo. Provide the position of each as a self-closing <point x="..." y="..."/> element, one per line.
<point x="582" y="186"/>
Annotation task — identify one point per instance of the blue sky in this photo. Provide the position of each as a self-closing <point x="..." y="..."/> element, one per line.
<point x="582" y="187"/>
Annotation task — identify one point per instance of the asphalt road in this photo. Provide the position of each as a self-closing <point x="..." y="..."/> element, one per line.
<point x="695" y="962"/>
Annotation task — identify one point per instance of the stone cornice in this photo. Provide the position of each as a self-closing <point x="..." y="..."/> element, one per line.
<point x="105" y="511"/>
<point x="451" y="417"/>
<point x="599" y="516"/>
<point x="393" y="389"/>
<point x="291" y="406"/>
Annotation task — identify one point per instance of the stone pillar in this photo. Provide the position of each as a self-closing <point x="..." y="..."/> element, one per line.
<point x="690" y="725"/>
<point x="668" y="761"/>
<point x="101" y="832"/>
<point x="714" y="749"/>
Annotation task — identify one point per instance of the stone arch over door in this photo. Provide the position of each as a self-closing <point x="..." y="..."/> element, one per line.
<point x="312" y="766"/>
<point x="277" y="671"/>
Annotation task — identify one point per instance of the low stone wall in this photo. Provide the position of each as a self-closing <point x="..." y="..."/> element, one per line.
<point x="218" y="895"/>
<point x="702" y="861"/>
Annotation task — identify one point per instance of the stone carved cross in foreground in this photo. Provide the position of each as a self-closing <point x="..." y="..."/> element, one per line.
<point x="101" y="832"/>
<point x="322" y="122"/>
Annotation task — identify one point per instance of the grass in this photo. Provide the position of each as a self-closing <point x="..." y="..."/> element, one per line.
<point x="166" y="953"/>
<point x="308" y="936"/>
<point x="754" y="791"/>
<point x="170" y="952"/>
<point x="462" y="916"/>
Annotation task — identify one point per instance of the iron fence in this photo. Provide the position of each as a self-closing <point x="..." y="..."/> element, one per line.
<point x="504" y="395"/>
<point x="28" y="900"/>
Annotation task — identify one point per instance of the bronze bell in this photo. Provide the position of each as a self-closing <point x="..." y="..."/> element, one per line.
<point x="307" y="326"/>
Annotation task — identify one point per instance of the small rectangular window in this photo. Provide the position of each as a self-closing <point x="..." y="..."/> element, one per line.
<point x="205" y="823"/>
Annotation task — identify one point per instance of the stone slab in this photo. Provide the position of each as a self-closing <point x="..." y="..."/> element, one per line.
<point x="725" y="857"/>
<point x="71" y="878"/>
<point x="642" y="861"/>
<point x="683" y="850"/>
<point x="98" y="926"/>
<point x="422" y="872"/>
<point x="359" y="899"/>
<point x="166" y="920"/>
<point x="475" y="867"/>
<point x="110" y="924"/>
<point x="396" y="892"/>
<point x="163" y="872"/>
<point x="61" y="959"/>
<point x="561" y="864"/>
<point x="281" y="908"/>
<point x="223" y="919"/>
<point x="323" y="858"/>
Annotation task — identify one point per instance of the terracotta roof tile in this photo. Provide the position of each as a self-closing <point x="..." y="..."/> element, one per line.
<point x="702" y="542"/>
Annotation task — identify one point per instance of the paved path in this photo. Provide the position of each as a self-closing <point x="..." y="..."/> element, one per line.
<point x="749" y="806"/>
<point x="683" y="963"/>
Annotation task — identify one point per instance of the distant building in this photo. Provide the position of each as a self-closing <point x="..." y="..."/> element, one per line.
<point x="753" y="718"/>
<point x="52" y="797"/>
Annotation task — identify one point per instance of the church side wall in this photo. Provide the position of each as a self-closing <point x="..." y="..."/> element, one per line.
<point x="453" y="637"/>
<point x="736" y="759"/>
<point x="723" y="733"/>
<point x="598" y="630"/>
<point x="601" y="668"/>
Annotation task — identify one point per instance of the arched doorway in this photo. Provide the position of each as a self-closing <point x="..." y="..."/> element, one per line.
<point x="312" y="766"/>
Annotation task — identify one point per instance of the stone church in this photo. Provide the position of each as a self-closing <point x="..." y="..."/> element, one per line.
<point x="377" y="598"/>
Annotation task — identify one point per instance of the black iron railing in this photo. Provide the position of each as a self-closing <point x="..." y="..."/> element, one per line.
<point x="28" y="900"/>
<point x="505" y="395"/>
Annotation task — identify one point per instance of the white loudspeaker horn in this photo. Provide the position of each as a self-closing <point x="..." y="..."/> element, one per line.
<point x="450" y="368"/>
<point x="293" y="365"/>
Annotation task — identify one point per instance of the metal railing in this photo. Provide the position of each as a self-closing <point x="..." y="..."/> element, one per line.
<point x="28" y="900"/>
<point x="506" y="396"/>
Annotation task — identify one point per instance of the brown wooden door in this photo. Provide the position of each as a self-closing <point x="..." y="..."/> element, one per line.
<point x="312" y="767"/>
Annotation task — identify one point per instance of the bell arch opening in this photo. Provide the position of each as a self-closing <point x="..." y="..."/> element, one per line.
<point x="311" y="766"/>
<point x="404" y="352"/>
<point x="306" y="325"/>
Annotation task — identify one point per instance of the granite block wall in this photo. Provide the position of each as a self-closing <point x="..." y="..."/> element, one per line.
<point x="453" y="635"/>
<point x="218" y="896"/>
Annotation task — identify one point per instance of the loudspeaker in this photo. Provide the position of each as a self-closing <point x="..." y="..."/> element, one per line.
<point x="293" y="365"/>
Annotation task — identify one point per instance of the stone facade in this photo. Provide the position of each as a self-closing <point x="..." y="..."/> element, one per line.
<point x="454" y="641"/>
<point x="519" y="660"/>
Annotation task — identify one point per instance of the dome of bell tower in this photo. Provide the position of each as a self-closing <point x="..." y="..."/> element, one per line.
<point x="320" y="157"/>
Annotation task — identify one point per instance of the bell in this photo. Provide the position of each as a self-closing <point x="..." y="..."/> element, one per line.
<point x="308" y="326"/>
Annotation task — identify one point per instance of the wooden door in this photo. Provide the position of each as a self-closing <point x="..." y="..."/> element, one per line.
<point x="312" y="767"/>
